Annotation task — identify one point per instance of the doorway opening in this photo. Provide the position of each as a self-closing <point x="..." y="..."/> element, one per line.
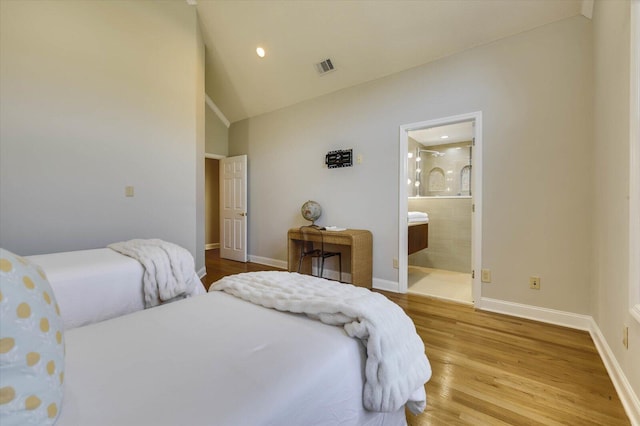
<point x="439" y="209"/>
<point x="211" y="202"/>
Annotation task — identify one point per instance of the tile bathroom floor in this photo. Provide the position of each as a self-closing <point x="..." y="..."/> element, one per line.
<point x="441" y="284"/>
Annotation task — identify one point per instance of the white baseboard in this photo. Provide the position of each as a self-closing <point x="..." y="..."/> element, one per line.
<point x="268" y="261"/>
<point x="625" y="392"/>
<point x="551" y="316"/>
<point x="211" y="246"/>
<point x="202" y="272"/>
<point x="380" y="284"/>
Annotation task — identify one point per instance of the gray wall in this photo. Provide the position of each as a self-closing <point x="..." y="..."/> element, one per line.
<point x="535" y="92"/>
<point x="217" y="134"/>
<point x="97" y="96"/>
<point x="610" y="178"/>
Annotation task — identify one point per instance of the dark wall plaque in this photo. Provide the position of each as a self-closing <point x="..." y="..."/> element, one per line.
<point x="340" y="158"/>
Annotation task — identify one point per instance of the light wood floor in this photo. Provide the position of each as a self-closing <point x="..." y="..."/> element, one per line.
<point x="218" y="268"/>
<point x="492" y="369"/>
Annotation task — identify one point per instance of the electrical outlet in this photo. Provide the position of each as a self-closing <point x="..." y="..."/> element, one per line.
<point x="395" y="263"/>
<point x="486" y="276"/>
<point x="128" y="191"/>
<point x="534" y="283"/>
<point x="625" y="337"/>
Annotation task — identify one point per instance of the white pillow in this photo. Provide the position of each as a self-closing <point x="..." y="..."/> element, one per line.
<point x="31" y="345"/>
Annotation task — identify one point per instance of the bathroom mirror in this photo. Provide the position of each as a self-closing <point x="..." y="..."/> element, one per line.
<point x="439" y="164"/>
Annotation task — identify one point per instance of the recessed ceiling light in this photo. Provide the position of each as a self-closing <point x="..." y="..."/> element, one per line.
<point x="444" y="137"/>
<point x="260" y="51"/>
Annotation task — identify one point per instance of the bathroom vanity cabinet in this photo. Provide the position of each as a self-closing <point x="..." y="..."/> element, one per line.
<point x="418" y="236"/>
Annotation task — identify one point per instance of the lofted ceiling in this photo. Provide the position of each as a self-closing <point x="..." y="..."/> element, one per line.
<point x="365" y="40"/>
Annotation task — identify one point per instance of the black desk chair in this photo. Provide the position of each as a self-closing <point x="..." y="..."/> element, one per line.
<point x="310" y="234"/>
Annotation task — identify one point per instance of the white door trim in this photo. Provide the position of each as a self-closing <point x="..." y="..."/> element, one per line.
<point x="476" y="182"/>
<point x="634" y="165"/>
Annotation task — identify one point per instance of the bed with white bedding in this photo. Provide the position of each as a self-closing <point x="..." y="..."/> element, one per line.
<point x="95" y="285"/>
<point x="215" y="360"/>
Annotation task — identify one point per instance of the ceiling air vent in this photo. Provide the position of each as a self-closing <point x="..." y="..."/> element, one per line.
<point x="325" y="67"/>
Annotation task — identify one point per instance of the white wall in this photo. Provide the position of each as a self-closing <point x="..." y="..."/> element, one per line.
<point x="610" y="180"/>
<point x="97" y="96"/>
<point x="217" y="132"/>
<point x="535" y="92"/>
<point x="200" y="143"/>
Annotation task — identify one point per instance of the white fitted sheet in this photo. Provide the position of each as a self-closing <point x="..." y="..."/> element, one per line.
<point x="94" y="285"/>
<point x="215" y="360"/>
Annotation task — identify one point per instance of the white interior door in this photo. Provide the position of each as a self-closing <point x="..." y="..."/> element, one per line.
<point x="233" y="208"/>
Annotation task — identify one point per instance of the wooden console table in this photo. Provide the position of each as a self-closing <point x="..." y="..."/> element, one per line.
<point x="359" y="243"/>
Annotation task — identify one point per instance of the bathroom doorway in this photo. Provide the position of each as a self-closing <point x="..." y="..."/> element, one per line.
<point x="439" y="209"/>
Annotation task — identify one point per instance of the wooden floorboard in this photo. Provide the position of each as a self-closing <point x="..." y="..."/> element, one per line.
<point x="218" y="268"/>
<point x="492" y="369"/>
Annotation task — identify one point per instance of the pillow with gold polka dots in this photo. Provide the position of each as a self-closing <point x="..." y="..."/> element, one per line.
<point x="31" y="345"/>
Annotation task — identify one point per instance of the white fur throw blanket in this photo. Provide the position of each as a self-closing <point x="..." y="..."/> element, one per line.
<point x="396" y="367"/>
<point x="169" y="270"/>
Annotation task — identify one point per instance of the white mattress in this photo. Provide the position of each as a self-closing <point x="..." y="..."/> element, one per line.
<point x="215" y="360"/>
<point x="94" y="285"/>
